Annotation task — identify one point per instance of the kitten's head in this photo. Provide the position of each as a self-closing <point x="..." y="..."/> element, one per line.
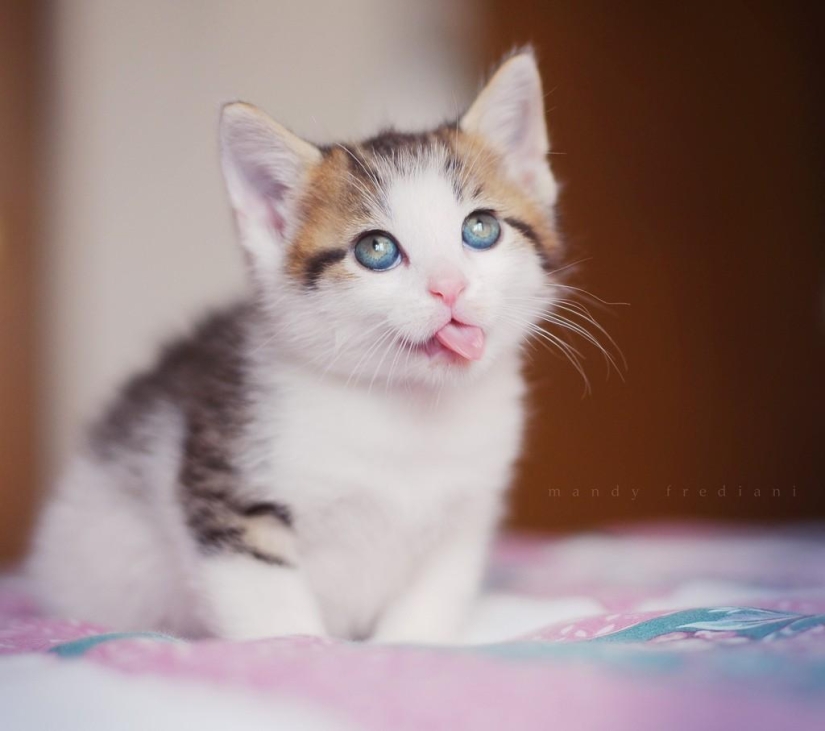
<point x="407" y="257"/>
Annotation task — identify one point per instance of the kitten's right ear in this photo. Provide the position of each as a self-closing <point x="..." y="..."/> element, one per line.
<point x="509" y="115"/>
<point x="265" y="167"/>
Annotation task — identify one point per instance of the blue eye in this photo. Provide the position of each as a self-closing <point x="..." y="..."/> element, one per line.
<point x="377" y="251"/>
<point x="481" y="230"/>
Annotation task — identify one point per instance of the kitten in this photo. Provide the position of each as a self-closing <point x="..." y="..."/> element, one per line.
<point x="329" y="456"/>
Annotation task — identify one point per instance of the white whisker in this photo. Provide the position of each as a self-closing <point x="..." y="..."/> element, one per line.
<point x="380" y="363"/>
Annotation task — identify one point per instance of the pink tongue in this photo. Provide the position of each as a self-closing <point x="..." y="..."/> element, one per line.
<point x="464" y="340"/>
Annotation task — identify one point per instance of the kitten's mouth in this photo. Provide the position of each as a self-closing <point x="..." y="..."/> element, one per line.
<point x="456" y="339"/>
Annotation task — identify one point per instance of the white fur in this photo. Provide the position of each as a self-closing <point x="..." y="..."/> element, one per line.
<point x="104" y="552"/>
<point x="394" y="463"/>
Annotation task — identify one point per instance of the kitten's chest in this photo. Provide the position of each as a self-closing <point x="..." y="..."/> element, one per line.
<point x="337" y="448"/>
<point x="374" y="484"/>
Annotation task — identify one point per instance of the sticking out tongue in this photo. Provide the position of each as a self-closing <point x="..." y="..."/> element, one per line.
<point x="464" y="340"/>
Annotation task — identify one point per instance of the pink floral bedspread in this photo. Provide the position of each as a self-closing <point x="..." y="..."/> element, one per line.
<point x="670" y="627"/>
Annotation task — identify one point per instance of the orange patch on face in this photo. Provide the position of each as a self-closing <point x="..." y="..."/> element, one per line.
<point x="328" y="211"/>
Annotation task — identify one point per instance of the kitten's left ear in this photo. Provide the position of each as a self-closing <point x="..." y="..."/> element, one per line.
<point x="509" y="115"/>
<point x="265" y="167"/>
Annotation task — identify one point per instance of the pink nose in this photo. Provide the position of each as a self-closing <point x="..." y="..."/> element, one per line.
<point x="448" y="287"/>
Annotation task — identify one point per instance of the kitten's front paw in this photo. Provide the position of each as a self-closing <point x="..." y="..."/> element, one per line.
<point x="257" y="630"/>
<point x="424" y="630"/>
<point x="251" y="599"/>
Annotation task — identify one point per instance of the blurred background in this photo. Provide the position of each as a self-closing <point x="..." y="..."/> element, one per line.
<point x="689" y="144"/>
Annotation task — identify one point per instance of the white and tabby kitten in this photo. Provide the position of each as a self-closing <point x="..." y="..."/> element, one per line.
<point x="329" y="456"/>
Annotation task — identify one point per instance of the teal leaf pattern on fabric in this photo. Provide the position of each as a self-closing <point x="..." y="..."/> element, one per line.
<point x="749" y="663"/>
<point x="748" y="622"/>
<point x="78" y="648"/>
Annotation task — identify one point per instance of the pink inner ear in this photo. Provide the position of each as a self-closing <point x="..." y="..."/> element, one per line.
<point x="273" y="194"/>
<point x="276" y="220"/>
<point x="528" y="177"/>
<point x="520" y="127"/>
<point x="269" y="190"/>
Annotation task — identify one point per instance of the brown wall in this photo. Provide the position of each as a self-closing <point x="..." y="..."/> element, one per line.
<point x="19" y="71"/>
<point x="692" y="159"/>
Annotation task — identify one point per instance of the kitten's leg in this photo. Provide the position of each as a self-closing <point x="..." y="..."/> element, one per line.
<point x="434" y="607"/>
<point x="249" y="599"/>
<point x="255" y="587"/>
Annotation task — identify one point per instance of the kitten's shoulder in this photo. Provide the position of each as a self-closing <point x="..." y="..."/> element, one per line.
<point x="202" y="373"/>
